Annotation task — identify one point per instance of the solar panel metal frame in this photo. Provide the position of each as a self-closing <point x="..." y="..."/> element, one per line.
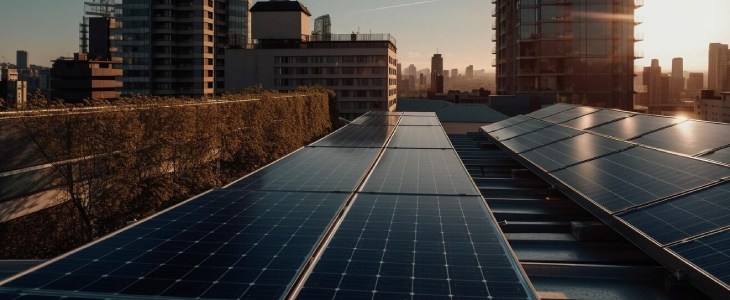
<point x="597" y="119"/>
<point x="609" y="130"/>
<point x="519" y="129"/>
<point x="572" y="114"/>
<point x="533" y="154"/>
<point x="540" y="138"/>
<point x="505" y="123"/>
<point x="419" y="137"/>
<point x="419" y="121"/>
<point x="364" y="139"/>
<point x="551" y="110"/>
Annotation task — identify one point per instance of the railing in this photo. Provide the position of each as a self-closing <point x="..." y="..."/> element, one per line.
<point x="354" y="37"/>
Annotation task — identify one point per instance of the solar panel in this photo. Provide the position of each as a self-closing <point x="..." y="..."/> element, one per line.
<point x="376" y="120"/>
<point x="539" y="138"/>
<point x="384" y="113"/>
<point x="551" y="110"/>
<point x="313" y="169"/>
<point x="505" y="123"/>
<point x="416" y="247"/>
<point x="638" y="176"/>
<point x="419" y="121"/>
<point x="571" y="114"/>
<point x="420" y="171"/>
<point x="634" y="126"/>
<point x="357" y="137"/>
<point x="420" y="137"/>
<point x="691" y="137"/>
<point x="684" y="217"/>
<point x="519" y="129"/>
<point x="574" y="150"/>
<point x="722" y="155"/>
<point x="710" y="253"/>
<point x="223" y="245"/>
<point x="595" y="119"/>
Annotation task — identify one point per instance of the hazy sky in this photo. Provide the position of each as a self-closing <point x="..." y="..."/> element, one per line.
<point x="459" y="29"/>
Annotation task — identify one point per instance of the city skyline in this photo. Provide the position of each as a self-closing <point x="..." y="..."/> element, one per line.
<point x="462" y="33"/>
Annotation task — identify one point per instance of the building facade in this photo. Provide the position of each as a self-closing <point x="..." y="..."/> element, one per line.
<point x="652" y="79"/>
<point x="714" y="108"/>
<point x="174" y="47"/>
<point x="360" y="68"/>
<point x="437" y="70"/>
<point x="13" y="90"/>
<point x="717" y="69"/>
<point x="695" y="84"/>
<point x="80" y="78"/>
<point x="581" y="50"/>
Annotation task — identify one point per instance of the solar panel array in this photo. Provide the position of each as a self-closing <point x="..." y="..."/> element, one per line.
<point x="339" y="219"/>
<point x="662" y="181"/>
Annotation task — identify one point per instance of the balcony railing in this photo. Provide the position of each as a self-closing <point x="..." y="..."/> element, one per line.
<point x="354" y="37"/>
<point x="638" y="3"/>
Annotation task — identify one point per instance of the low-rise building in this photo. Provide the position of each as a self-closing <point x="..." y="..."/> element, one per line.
<point x="80" y="78"/>
<point x="360" y="68"/>
<point x="13" y="92"/>
<point x="713" y="108"/>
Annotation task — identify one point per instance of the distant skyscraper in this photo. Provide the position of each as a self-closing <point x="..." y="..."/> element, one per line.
<point x="567" y="48"/>
<point x="412" y="71"/>
<point x="179" y="49"/>
<point x="653" y="81"/>
<point x="322" y="25"/>
<point x="676" y="84"/>
<point x="695" y="84"/>
<point x="718" y="67"/>
<point x="21" y="60"/>
<point x="447" y="74"/>
<point x="437" y="70"/>
<point x="454" y="73"/>
<point x="469" y="72"/>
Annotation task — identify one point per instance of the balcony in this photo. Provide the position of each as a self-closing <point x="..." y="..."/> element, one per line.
<point x="494" y="12"/>
<point x="638" y="3"/>
<point x="638" y="36"/>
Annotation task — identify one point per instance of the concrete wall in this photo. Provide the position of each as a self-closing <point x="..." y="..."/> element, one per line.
<point x="268" y="25"/>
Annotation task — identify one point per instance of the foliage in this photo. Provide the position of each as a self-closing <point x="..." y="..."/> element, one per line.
<point x="122" y="161"/>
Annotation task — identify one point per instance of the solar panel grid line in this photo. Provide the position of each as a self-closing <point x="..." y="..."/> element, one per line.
<point x="569" y="119"/>
<point x="655" y="130"/>
<point x="697" y="237"/>
<point x="609" y="122"/>
<point x="551" y="111"/>
<point x="594" y="158"/>
<point x="88" y="245"/>
<point x="671" y="197"/>
<point x="519" y="119"/>
<point x="539" y="131"/>
<point x="262" y="168"/>
<point x="329" y="234"/>
<point x="710" y="256"/>
<point x="711" y="151"/>
<point x="529" y="129"/>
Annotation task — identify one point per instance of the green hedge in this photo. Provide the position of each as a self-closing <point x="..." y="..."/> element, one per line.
<point x="144" y="154"/>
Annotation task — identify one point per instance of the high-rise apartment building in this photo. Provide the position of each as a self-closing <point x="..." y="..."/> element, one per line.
<point x="469" y="72"/>
<point x="652" y="79"/>
<point x="175" y="47"/>
<point x="581" y="50"/>
<point x="676" y="84"/>
<point x="21" y="59"/>
<point x="412" y="71"/>
<point x="717" y="69"/>
<point x="695" y="84"/>
<point x="360" y="68"/>
<point x="437" y="70"/>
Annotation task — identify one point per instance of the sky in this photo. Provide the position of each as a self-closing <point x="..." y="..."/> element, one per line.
<point x="458" y="29"/>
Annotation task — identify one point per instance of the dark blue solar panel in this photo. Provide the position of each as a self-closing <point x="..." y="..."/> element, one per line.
<point x="684" y="217"/>
<point x="551" y="110"/>
<point x="722" y="155"/>
<point x="596" y="119"/>
<point x="572" y="151"/>
<point x="223" y="245"/>
<point x="357" y="137"/>
<point x="420" y="171"/>
<point x="570" y="114"/>
<point x="634" y="126"/>
<point x="416" y="247"/>
<point x="313" y="169"/>
<point x="710" y="253"/>
<point x="505" y="123"/>
<point x="638" y="176"/>
<point x="540" y="138"/>
<point x="377" y="120"/>
<point x="519" y="129"/>
<point x="432" y="137"/>
<point x="419" y="121"/>
<point x="691" y="137"/>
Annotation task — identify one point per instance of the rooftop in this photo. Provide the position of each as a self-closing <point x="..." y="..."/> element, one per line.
<point x="280" y="6"/>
